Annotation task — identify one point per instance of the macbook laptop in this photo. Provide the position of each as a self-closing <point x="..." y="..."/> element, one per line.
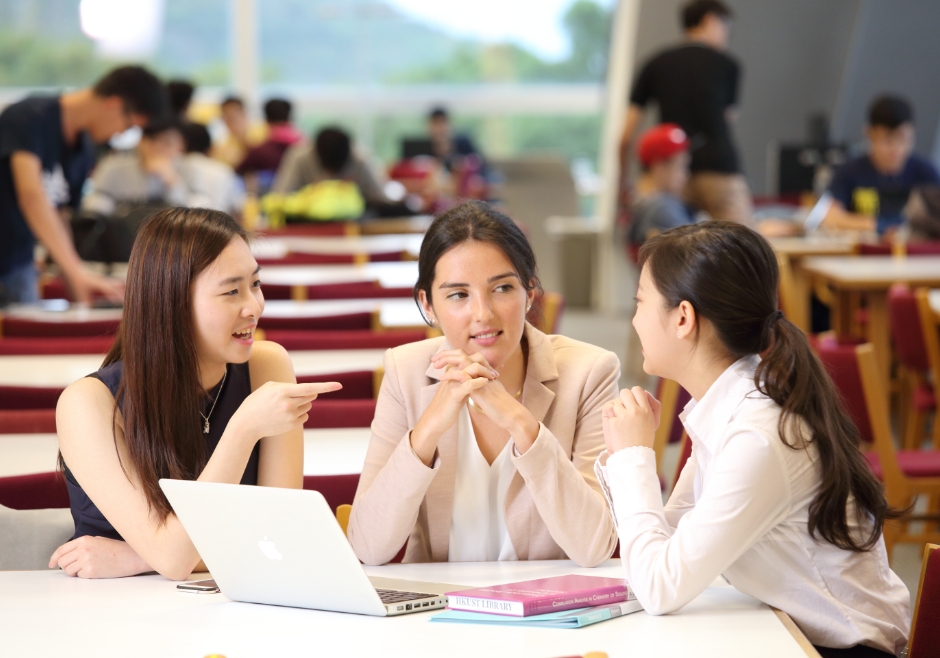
<point x="817" y="214"/>
<point x="285" y="547"/>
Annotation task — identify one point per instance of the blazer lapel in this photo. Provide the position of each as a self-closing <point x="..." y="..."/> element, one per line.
<point x="440" y="495"/>
<point x="537" y="396"/>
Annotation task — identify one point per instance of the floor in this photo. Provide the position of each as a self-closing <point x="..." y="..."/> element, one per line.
<point x="613" y="332"/>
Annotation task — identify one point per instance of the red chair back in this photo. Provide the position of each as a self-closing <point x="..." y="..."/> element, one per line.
<point x="296" y="258"/>
<point x="27" y="421"/>
<point x="874" y="249"/>
<point x="13" y="327"/>
<point x="84" y="345"/>
<point x="685" y="451"/>
<point x="925" y="627"/>
<point x="337" y="489"/>
<point x="842" y="365"/>
<point x="28" y="397"/>
<point x="923" y="248"/>
<point x="909" y="344"/>
<point x="351" y="290"/>
<point x="356" y="386"/>
<point x="342" y="340"/>
<point x="348" y="321"/>
<point x="35" y="491"/>
<point x="340" y="413"/>
<point x="311" y="228"/>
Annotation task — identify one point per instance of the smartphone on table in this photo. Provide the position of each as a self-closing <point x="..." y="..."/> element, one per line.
<point x="198" y="587"/>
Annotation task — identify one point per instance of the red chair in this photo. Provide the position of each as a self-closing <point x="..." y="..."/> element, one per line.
<point x="295" y="258"/>
<point x="342" y="340"/>
<point x="315" y="228"/>
<point x="27" y="421"/>
<point x="337" y="489"/>
<point x="85" y="345"/>
<point x="35" y="491"/>
<point x="874" y="249"/>
<point x="923" y="248"/>
<point x="685" y="451"/>
<point x="340" y="413"/>
<point x="359" y="385"/>
<point x="348" y="321"/>
<point x="37" y="329"/>
<point x="28" y="397"/>
<point x="905" y="473"/>
<point x="925" y="624"/>
<point x="351" y="290"/>
<point x="918" y="397"/>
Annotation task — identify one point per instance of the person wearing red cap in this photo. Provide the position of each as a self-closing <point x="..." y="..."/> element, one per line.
<point x="664" y="156"/>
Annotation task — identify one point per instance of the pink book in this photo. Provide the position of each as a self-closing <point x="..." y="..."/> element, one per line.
<point x="543" y="595"/>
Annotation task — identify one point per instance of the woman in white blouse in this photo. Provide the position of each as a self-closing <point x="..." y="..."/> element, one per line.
<point x="776" y="496"/>
<point x="484" y="440"/>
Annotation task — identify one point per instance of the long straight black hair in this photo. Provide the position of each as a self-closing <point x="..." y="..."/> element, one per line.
<point x="728" y="273"/>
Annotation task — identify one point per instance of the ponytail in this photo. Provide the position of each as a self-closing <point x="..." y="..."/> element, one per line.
<point x="791" y="375"/>
<point x="728" y="273"/>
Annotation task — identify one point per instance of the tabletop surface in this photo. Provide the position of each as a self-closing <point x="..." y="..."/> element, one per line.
<point x="815" y="244"/>
<point x="279" y="246"/>
<point x="394" y="312"/>
<point x="46" y="613"/>
<point x="60" y="370"/>
<point x="396" y="274"/>
<point x="335" y="451"/>
<point x="875" y="270"/>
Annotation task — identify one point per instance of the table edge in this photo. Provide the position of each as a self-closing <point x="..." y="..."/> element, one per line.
<point x="796" y="633"/>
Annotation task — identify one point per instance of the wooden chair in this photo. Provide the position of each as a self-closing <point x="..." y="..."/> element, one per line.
<point x="925" y="624"/>
<point x="929" y="331"/>
<point x="342" y="516"/>
<point x="685" y="451"/>
<point x="917" y="398"/>
<point x="906" y="474"/>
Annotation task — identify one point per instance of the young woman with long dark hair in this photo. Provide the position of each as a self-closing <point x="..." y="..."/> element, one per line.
<point x="776" y="497"/>
<point x="484" y="440"/>
<point x="184" y="393"/>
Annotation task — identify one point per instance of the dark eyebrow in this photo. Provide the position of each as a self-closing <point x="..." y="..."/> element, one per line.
<point x="236" y="279"/>
<point x="447" y="284"/>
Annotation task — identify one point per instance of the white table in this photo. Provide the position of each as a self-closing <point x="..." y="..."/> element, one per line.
<point x="388" y="275"/>
<point x="326" y="452"/>
<point x="46" y="613"/>
<point x="60" y="370"/>
<point x="393" y="312"/>
<point x="267" y="246"/>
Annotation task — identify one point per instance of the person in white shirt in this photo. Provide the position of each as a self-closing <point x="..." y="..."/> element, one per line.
<point x="776" y="496"/>
<point x="212" y="184"/>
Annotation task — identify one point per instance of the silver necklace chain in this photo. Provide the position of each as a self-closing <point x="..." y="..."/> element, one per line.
<point x="205" y="417"/>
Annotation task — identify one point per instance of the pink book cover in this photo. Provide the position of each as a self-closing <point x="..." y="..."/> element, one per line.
<point x="540" y="596"/>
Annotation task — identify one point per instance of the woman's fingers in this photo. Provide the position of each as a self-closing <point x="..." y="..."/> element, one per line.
<point x="480" y="370"/>
<point x="59" y="552"/>
<point x="640" y="396"/>
<point x="312" y="390"/>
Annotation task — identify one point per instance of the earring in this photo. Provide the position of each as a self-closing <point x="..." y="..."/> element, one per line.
<point x="528" y="308"/>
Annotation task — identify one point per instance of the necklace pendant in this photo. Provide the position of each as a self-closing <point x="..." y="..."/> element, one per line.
<point x="205" y="429"/>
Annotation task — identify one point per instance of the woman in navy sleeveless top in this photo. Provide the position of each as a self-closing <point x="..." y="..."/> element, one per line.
<point x="184" y="393"/>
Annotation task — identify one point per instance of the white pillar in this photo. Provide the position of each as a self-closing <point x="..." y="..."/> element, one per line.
<point x="245" y="55"/>
<point x="612" y="270"/>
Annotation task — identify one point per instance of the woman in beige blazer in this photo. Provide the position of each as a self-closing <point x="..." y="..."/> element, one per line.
<point x="492" y="387"/>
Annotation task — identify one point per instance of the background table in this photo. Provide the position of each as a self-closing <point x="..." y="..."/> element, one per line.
<point x="871" y="276"/>
<point x="388" y="275"/>
<point x="50" y="614"/>
<point x="60" y="370"/>
<point x="795" y="283"/>
<point x="335" y="451"/>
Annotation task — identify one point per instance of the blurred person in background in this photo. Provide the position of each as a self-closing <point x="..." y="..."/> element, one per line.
<point x="212" y="184"/>
<point x="233" y="148"/>
<point x="657" y="206"/>
<point x="181" y="95"/>
<point x="449" y="147"/>
<point x="695" y="85"/>
<point x="46" y="154"/>
<point x="148" y="175"/>
<point x="870" y="192"/>
<point x="282" y="135"/>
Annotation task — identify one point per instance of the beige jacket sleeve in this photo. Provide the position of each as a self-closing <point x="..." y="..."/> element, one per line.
<point x="565" y="490"/>
<point x="393" y="481"/>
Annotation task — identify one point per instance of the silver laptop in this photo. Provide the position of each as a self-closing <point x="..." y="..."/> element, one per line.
<point x="285" y="547"/>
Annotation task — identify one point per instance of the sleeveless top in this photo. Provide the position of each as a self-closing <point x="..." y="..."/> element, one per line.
<point x="237" y="386"/>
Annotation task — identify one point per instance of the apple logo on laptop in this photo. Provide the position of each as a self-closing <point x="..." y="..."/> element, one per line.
<point x="268" y="548"/>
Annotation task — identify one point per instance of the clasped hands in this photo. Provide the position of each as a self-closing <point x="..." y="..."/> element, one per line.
<point x="469" y="376"/>
<point x="630" y="420"/>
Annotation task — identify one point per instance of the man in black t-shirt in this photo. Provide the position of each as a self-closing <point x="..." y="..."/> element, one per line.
<point x="46" y="153"/>
<point x="695" y="86"/>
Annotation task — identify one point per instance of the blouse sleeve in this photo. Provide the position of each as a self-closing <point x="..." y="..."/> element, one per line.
<point x="393" y="481"/>
<point x="565" y="490"/>
<point x="747" y="492"/>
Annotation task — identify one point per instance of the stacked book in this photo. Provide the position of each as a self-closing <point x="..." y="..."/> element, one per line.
<point x="561" y="602"/>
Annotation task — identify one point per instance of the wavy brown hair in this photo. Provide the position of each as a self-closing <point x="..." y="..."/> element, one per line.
<point x="728" y="273"/>
<point x="160" y="392"/>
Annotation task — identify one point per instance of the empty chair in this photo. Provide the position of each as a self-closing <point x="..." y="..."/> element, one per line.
<point x="330" y="413"/>
<point x="911" y="350"/>
<point x="925" y="624"/>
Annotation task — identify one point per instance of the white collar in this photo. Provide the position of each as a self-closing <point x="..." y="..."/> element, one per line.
<point x="721" y="400"/>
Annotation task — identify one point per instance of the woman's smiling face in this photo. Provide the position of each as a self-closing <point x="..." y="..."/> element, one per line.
<point x="479" y="301"/>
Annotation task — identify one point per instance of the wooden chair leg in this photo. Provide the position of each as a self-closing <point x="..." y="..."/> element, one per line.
<point x="936" y="429"/>
<point x="914" y="431"/>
